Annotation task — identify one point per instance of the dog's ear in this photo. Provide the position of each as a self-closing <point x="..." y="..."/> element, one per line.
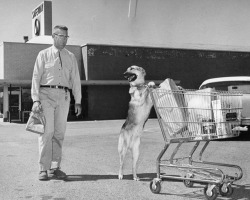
<point x="142" y="71"/>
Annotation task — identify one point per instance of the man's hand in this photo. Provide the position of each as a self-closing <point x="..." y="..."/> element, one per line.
<point x="37" y="107"/>
<point x="78" y="109"/>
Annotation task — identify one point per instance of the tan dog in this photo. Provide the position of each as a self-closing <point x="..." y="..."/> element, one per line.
<point x="139" y="110"/>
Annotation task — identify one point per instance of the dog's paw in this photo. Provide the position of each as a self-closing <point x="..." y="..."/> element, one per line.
<point x="136" y="178"/>
<point x="151" y="84"/>
<point x="120" y="176"/>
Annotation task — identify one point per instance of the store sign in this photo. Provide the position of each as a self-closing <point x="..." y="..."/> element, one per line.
<point x="42" y="19"/>
<point x="37" y="27"/>
<point x="37" y="11"/>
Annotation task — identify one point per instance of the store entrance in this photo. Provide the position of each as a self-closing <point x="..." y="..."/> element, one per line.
<point x="14" y="104"/>
<point x="14" y="107"/>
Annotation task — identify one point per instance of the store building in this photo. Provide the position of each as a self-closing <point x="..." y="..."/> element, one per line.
<point x="101" y="67"/>
<point x="102" y="84"/>
<point x="17" y="62"/>
<point x="16" y="68"/>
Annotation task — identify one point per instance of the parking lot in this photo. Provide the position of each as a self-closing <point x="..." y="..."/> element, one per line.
<point x="91" y="162"/>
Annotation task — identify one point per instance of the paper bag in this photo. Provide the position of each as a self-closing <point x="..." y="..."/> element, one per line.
<point x="36" y="123"/>
<point x="227" y="113"/>
<point x="171" y="106"/>
<point x="199" y="109"/>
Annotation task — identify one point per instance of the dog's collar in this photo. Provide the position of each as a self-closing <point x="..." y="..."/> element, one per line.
<point x="133" y="88"/>
<point x="139" y="87"/>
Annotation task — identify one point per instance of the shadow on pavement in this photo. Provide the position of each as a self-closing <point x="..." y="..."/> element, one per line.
<point x="196" y="192"/>
<point x="93" y="177"/>
<point x="244" y="136"/>
<point x="239" y="192"/>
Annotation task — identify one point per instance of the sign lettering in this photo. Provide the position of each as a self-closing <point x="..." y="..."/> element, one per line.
<point x="37" y="11"/>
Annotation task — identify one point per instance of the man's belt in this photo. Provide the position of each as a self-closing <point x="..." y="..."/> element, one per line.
<point x="55" y="86"/>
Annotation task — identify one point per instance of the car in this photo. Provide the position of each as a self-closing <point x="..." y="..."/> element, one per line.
<point x="233" y="83"/>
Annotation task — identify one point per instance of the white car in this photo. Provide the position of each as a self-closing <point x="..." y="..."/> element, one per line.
<point x="233" y="83"/>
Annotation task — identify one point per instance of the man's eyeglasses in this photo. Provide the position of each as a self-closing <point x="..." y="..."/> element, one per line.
<point x="62" y="36"/>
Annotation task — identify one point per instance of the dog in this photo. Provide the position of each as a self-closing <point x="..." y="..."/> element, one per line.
<point x="139" y="109"/>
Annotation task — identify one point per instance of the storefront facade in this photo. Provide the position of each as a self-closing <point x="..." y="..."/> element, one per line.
<point x="16" y="68"/>
<point x="104" y="89"/>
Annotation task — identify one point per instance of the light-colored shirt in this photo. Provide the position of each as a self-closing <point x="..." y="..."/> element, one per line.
<point x="49" y="69"/>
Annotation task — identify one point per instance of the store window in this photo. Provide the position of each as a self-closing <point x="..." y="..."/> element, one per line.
<point x="14" y="103"/>
<point x="1" y="102"/>
<point x="26" y="99"/>
<point x="26" y="103"/>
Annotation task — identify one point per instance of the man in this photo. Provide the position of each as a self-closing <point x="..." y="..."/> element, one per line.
<point x="55" y="72"/>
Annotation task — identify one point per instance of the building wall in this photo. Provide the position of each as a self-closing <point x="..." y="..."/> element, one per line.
<point x="162" y="23"/>
<point x="190" y="67"/>
<point x="1" y="61"/>
<point x="199" y="24"/>
<point x="19" y="59"/>
<point x="106" y="102"/>
<point x="108" y="62"/>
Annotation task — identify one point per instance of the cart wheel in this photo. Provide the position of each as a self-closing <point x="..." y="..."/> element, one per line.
<point x="155" y="187"/>
<point x="210" y="195"/>
<point x="225" y="190"/>
<point x="188" y="183"/>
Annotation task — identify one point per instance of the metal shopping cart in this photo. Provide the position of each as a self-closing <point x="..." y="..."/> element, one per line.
<point x="187" y="116"/>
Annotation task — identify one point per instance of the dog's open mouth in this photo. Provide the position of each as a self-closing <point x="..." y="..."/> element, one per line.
<point x="130" y="76"/>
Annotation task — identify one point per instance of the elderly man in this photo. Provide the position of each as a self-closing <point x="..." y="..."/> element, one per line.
<point x="55" y="72"/>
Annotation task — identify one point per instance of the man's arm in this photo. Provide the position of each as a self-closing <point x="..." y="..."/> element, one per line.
<point x="76" y="87"/>
<point x="35" y="86"/>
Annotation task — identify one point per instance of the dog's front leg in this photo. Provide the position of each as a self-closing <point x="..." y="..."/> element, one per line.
<point x="135" y="154"/>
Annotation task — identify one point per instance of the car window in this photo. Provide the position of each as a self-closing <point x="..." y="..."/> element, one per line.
<point x="224" y="85"/>
<point x="215" y="86"/>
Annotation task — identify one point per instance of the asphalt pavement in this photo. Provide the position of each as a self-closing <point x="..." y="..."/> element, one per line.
<point x="91" y="161"/>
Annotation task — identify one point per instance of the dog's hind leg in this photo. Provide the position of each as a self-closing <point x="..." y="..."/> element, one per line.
<point x="122" y="150"/>
<point x="135" y="154"/>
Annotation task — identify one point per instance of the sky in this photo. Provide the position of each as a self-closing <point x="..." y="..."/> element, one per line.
<point x="15" y="19"/>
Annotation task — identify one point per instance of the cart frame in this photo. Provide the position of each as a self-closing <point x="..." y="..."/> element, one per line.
<point x="213" y="177"/>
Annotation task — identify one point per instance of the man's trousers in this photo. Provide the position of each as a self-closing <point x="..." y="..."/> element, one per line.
<point x="55" y="105"/>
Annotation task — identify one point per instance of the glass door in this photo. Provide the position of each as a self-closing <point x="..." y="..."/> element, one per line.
<point x="14" y="107"/>
<point x="14" y="104"/>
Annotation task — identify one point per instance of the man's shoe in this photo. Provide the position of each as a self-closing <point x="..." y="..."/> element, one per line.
<point x="56" y="173"/>
<point x="43" y="176"/>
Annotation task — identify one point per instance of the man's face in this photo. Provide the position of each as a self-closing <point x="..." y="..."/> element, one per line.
<point x="60" y="38"/>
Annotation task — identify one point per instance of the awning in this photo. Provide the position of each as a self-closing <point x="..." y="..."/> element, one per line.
<point x="83" y="82"/>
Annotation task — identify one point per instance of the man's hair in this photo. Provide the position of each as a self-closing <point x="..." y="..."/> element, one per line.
<point x="61" y="27"/>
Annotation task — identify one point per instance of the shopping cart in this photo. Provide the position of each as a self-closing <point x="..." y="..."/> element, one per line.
<point x="187" y="116"/>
